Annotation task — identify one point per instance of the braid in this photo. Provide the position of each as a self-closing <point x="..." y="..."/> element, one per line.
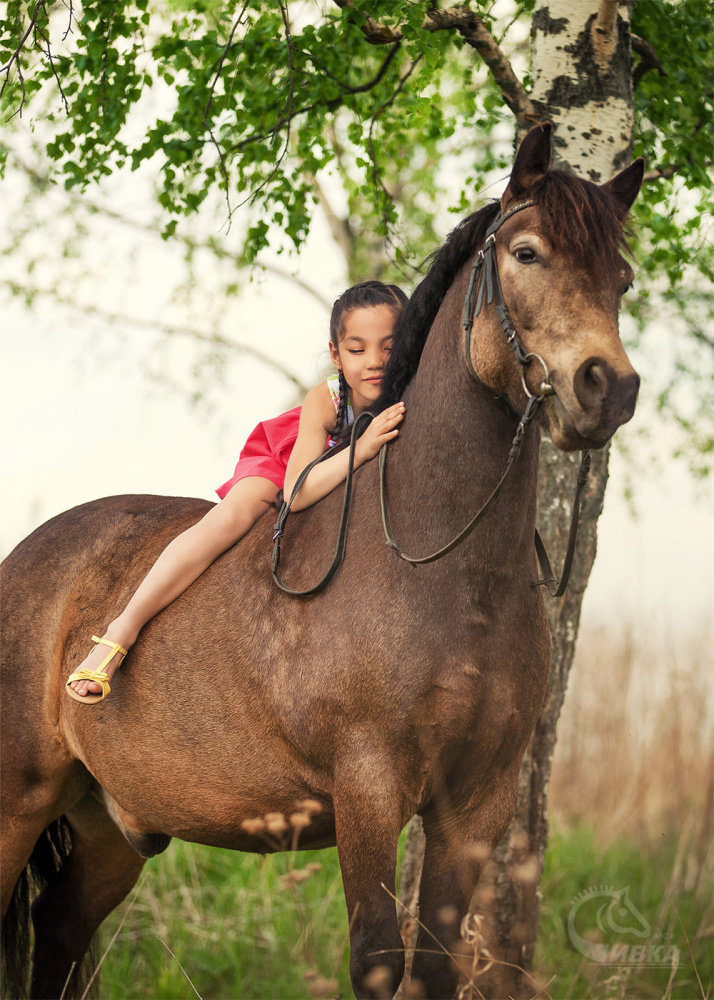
<point x="341" y="420"/>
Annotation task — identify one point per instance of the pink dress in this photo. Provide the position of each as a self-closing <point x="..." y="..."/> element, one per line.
<point x="270" y="444"/>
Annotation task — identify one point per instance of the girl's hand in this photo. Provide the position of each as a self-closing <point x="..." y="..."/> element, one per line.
<point x="382" y="429"/>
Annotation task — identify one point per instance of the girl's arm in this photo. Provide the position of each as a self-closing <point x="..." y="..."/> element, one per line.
<point x="317" y="418"/>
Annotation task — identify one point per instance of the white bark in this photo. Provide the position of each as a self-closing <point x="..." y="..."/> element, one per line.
<point x="579" y="83"/>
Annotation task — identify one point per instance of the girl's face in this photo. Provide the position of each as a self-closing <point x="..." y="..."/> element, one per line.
<point x="362" y="352"/>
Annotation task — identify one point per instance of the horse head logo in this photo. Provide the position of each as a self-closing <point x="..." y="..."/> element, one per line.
<point x="600" y="914"/>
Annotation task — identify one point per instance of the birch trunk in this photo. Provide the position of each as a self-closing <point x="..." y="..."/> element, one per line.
<point x="582" y="82"/>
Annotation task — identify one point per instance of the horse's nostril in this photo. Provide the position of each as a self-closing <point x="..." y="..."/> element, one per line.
<point x="594" y="378"/>
<point x="605" y="397"/>
<point x="592" y="382"/>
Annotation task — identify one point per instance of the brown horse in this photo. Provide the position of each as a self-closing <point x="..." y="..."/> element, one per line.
<point x="397" y="690"/>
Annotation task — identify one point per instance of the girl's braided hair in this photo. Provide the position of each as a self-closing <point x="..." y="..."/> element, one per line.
<point x="361" y="296"/>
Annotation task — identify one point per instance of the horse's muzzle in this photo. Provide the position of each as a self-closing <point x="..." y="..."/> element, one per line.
<point x="605" y="399"/>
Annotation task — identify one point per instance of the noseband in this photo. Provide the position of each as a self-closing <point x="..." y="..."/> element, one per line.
<point x="484" y="284"/>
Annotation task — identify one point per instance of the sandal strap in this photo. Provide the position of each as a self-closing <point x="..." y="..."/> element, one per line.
<point x="107" y="642"/>
<point x="114" y="649"/>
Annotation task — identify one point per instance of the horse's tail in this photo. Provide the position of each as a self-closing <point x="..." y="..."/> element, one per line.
<point x="48" y="857"/>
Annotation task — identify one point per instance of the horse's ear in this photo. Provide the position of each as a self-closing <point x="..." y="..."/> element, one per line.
<point x="532" y="160"/>
<point x="625" y="185"/>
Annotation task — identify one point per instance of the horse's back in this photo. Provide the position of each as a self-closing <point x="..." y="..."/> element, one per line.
<point x="82" y="557"/>
<point x="79" y="533"/>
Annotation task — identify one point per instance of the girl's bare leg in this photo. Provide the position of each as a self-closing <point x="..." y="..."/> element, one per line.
<point x="182" y="561"/>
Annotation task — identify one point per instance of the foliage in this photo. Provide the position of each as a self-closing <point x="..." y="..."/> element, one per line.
<point x="324" y="100"/>
<point x="674" y="132"/>
<point x="270" y="113"/>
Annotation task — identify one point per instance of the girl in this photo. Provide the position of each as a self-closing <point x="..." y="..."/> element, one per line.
<point x="277" y="450"/>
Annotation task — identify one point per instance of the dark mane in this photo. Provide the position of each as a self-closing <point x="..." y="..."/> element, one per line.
<point x="576" y="215"/>
<point x="415" y="320"/>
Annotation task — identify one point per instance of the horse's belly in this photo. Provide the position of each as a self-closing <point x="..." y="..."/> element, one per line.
<point x="303" y="824"/>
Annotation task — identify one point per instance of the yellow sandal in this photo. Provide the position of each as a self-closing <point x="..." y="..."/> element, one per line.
<point x="99" y="676"/>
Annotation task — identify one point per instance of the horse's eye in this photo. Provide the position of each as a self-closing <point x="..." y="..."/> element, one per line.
<point x="628" y="279"/>
<point x="525" y="255"/>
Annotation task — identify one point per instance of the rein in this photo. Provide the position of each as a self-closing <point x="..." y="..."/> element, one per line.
<point x="364" y="418"/>
<point x="484" y="283"/>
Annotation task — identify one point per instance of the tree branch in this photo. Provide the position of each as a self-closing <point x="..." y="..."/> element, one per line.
<point x="286" y="120"/>
<point x="340" y="229"/>
<point x="214" y="140"/>
<point x="210" y="246"/>
<point x="330" y="105"/>
<point x="48" y="51"/>
<point x="475" y="33"/>
<point x="15" y="58"/>
<point x="648" y="59"/>
<point x="214" y="339"/>
<point x="68" y="30"/>
<point x="663" y="173"/>
<point x="606" y="18"/>
<point x="604" y="34"/>
<point x="226" y="50"/>
<point x="374" y="31"/>
<point x="376" y="173"/>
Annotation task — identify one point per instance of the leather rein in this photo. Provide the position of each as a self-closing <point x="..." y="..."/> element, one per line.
<point x="484" y="284"/>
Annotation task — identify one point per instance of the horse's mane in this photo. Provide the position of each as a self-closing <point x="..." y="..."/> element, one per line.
<point x="575" y="214"/>
<point x="415" y="320"/>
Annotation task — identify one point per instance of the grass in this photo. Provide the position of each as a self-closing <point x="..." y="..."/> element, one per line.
<point x="239" y="925"/>
<point x="245" y="927"/>
<point x="663" y="952"/>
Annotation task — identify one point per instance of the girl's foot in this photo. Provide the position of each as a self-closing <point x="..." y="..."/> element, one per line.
<point x="90" y="682"/>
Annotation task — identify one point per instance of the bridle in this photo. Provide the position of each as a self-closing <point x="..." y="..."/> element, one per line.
<point x="484" y="284"/>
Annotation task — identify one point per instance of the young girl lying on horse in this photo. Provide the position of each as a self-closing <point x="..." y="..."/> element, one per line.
<point x="276" y="452"/>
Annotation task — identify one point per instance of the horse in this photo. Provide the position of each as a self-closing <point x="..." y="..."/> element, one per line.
<point x="398" y="689"/>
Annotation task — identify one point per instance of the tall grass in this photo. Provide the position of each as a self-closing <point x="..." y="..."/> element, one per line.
<point x="227" y="925"/>
<point x="635" y="750"/>
<point x="632" y="801"/>
<point x="664" y="954"/>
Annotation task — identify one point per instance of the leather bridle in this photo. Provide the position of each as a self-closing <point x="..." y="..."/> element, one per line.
<point x="484" y="285"/>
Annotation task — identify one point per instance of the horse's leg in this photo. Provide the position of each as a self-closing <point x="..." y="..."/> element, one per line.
<point x="368" y="820"/>
<point x="99" y="872"/>
<point x="458" y="843"/>
<point x="17" y="839"/>
<point x="18" y="836"/>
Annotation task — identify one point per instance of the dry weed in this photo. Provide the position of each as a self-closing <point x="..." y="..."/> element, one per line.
<point x="634" y="750"/>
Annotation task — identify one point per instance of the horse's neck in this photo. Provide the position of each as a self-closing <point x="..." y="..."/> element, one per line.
<point x="452" y="451"/>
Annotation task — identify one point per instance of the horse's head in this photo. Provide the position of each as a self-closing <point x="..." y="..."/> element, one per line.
<point x="563" y="275"/>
